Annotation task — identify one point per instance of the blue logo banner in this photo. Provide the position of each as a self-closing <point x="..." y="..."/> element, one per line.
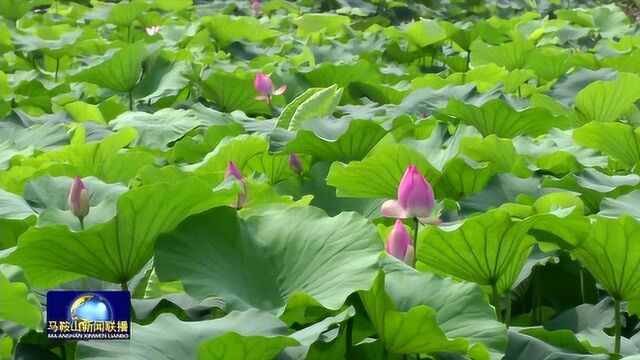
<point x="87" y="315"/>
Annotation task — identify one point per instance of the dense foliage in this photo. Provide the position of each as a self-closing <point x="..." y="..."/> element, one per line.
<point x="231" y="161"/>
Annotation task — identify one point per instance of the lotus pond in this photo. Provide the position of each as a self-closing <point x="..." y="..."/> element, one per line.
<point x="335" y="179"/>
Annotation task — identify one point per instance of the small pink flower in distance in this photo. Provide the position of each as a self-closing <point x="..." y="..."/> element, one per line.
<point x="255" y="6"/>
<point x="152" y="30"/>
<point x="295" y="164"/>
<point x="415" y="198"/>
<point x="399" y="243"/>
<point x="233" y="173"/>
<point x="78" y="200"/>
<point x="264" y="86"/>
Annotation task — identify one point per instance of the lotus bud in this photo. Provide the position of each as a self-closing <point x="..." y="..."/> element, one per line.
<point x="415" y="194"/>
<point x="295" y="164"/>
<point x="264" y="85"/>
<point x="78" y="199"/>
<point x="255" y="6"/>
<point x="399" y="242"/>
<point x="234" y="173"/>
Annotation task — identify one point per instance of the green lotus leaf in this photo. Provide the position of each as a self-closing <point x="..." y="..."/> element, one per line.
<point x="231" y="91"/>
<point x="120" y="72"/>
<point x="606" y="101"/>
<point x="512" y="55"/>
<point x="329" y="23"/>
<point x="462" y="309"/>
<point x="227" y="29"/>
<point x="326" y="139"/>
<point x="611" y="253"/>
<point x="363" y="179"/>
<point x="499" y="118"/>
<point x="488" y="249"/>
<point x="168" y="338"/>
<point x="415" y="330"/>
<point x="116" y="250"/>
<point x="323" y="265"/>
<point x="321" y="104"/>
<point x="124" y="14"/>
<point x="619" y="141"/>
<point x="18" y="304"/>
<point x="164" y="78"/>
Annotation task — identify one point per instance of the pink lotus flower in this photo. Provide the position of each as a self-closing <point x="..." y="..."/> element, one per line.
<point x="415" y="198"/>
<point x="295" y="164"/>
<point x="399" y="243"/>
<point x="264" y="86"/>
<point x="153" y="29"/>
<point x="234" y="173"/>
<point x="255" y="6"/>
<point x="78" y="199"/>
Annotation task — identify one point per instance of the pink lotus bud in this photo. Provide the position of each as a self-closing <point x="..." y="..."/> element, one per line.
<point x="263" y="84"/>
<point x="295" y="164"/>
<point x="152" y="30"/>
<point x="234" y="173"/>
<point x="399" y="242"/>
<point x="255" y="6"/>
<point x="415" y="198"/>
<point x="415" y="194"/>
<point x="78" y="199"/>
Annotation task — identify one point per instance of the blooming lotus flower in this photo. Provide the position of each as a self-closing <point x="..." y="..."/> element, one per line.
<point x="399" y="243"/>
<point x="152" y="30"/>
<point x="78" y="199"/>
<point x="415" y="198"/>
<point x="295" y="164"/>
<point x="255" y="6"/>
<point x="264" y="86"/>
<point x="234" y="173"/>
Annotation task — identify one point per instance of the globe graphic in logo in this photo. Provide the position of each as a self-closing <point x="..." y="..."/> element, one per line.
<point x="90" y="307"/>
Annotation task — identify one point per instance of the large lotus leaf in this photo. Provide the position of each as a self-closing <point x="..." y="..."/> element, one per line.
<point x="82" y="112"/>
<point x="119" y="72"/>
<point x="413" y="331"/>
<point x="540" y="344"/>
<point x="233" y="91"/>
<point x="102" y="158"/>
<point x="567" y="87"/>
<point x="158" y="130"/>
<point x="423" y="102"/>
<point x="610" y="21"/>
<point x="227" y="29"/>
<point x="329" y="23"/>
<point x="168" y="338"/>
<point x="462" y="177"/>
<point x="624" y="205"/>
<point x="324" y="196"/>
<point x="619" y="141"/>
<point x="342" y="75"/>
<point x="462" y="310"/>
<point x="549" y="63"/>
<point x="14" y="207"/>
<point x="488" y="249"/>
<point x="284" y="119"/>
<point x="117" y="250"/>
<point x="290" y="252"/>
<point x="239" y="149"/>
<point x="320" y="104"/>
<point x="11" y="229"/>
<point x="513" y="55"/>
<point x="500" y="152"/>
<point x="425" y="32"/>
<point x="611" y="253"/>
<point x="499" y="118"/>
<point x="15" y="9"/>
<point x="326" y="139"/>
<point x="164" y="78"/>
<point x="234" y="346"/>
<point x="18" y="305"/>
<point x="124" y="14"/>
<point x="378" y="175"/>
<point x="608" y="100"/>
<point x="588" y="322"/>
<point x="57" y="44"/>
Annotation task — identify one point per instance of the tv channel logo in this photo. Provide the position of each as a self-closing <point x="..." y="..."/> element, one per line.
<point x="87" y="315"/>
